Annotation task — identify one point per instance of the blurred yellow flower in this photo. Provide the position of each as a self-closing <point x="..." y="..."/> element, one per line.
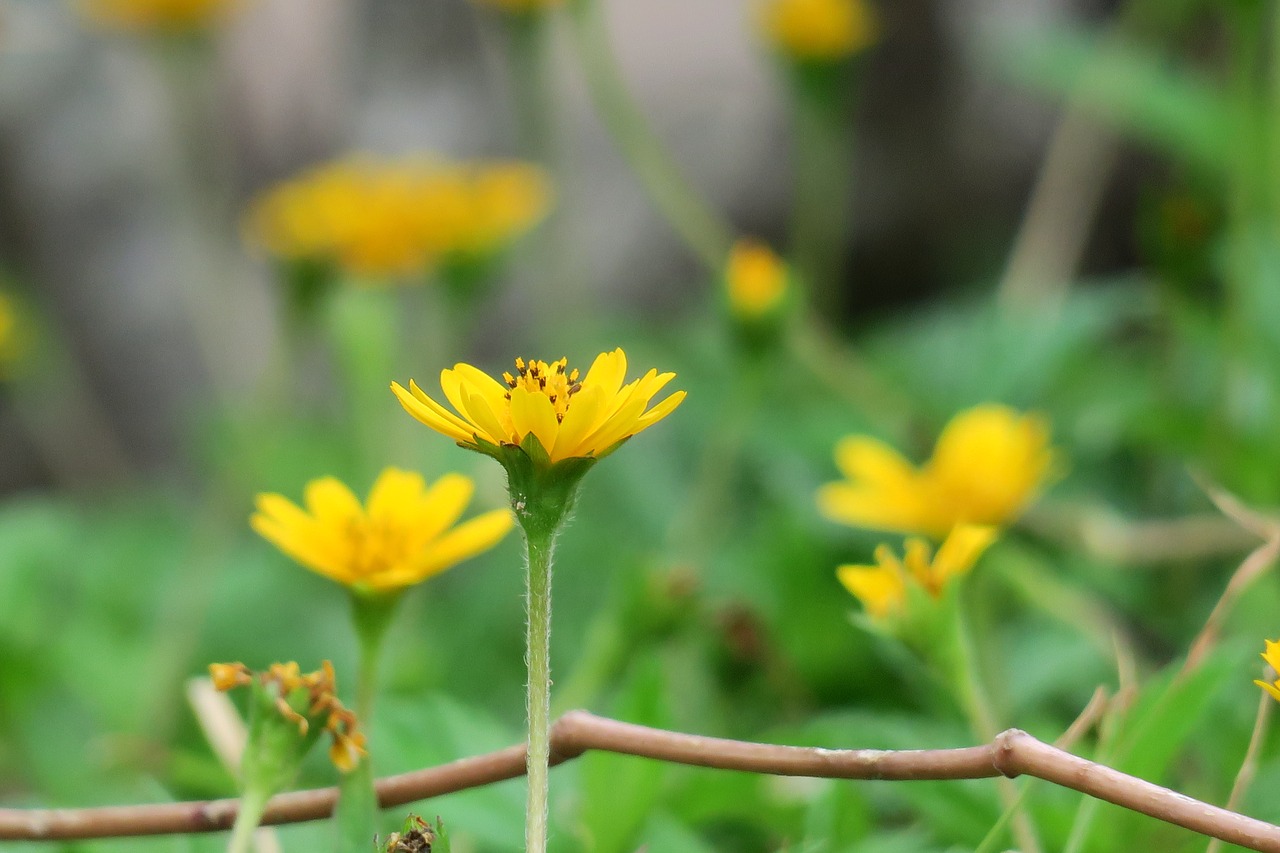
<point x="401" y="538"/>
<point x="988" y="464"/>
<point x="520" y="6"/>
<point x="397" y="218"/>
<point x="819" y="30"/>
<point x="8" y="333"/>
<point x="156" y="15"/>
<point x="1272" y="657"/>
<point x="567" y="415"/>
<point x="882" y="588"/>
<point x="756" y="279"/>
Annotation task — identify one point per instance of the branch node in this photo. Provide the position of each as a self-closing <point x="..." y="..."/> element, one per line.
<point x="1004" y="752"/>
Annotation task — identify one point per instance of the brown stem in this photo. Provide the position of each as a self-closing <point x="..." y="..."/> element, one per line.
<point x="1012" y="753"/>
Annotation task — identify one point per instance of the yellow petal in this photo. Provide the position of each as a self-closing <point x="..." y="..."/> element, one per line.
<point x="861" y="506"/>
<point x="881" y="590"/>
<point x="463" y="542"/>
<point x="861" y="458"/>
<point x="458" y="420"/>
<point x="476" y="381"/>
<point x="581" y="418"/>
<point x="534" y="413"/>
<point x="607" y="373"/>
<point x="332" y="503"/>
<point x="661" y="410"/>
<point x="961" y="550"/>
<point x="490" y="428"/>
<point x="395" y="493"/>
<point x="429" y="417"/>
<point x="442" y="505"/>
<point x="304" y="549"/>
<point x="1270" y="688"/>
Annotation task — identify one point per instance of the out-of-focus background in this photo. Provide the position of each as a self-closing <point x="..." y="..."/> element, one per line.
<point x="1071" y="208"/>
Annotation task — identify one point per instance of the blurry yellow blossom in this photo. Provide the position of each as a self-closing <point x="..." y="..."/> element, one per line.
<point x="756" y="280"/>
<point x="567" y="415"/>
<point x="819" y="30"/>
<point x="156" y="15"/>
<point x="882" y="588"/>
<point x="401" y="538"/>
<point x="396" y="218"/>
<point x="988" y="464"/>
<point x="8" y="334"/>
<point x="1272" y="657"/>
<point x="520" y="6"/>
<point x="302" y="701"/>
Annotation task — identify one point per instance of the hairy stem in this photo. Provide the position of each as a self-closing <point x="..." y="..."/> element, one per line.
<point x="541" y="545"/>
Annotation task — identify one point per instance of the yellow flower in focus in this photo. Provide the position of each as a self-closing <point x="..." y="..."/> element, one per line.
<point x="1272" y="657"/>
<point x="170" y="16"/>
<point x="568" y="415"/>
<point x="756" y="279"/>
<point x="401" y="538"/>
<point x="882" y="588"/>
<point x="399" y="218"/>
<point x="819" y="30"/>
<point x="987" y="465"/>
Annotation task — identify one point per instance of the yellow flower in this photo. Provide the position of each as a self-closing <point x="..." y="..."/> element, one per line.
<point x="1272" y="657"/>
<point x="988" y="464"/>
<point x="882" y="588"/>
<point x="756" y="279"/>
<point x="568" y="416"/>
<point x="401" y="538"/>
<point x="520" y="7"/>
<point x="8" y="334"/>
<point x="398" y="218"/>
<point x="157" y="15"/>
<point x="820" y="30"/>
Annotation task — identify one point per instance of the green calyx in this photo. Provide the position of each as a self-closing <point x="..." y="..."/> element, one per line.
<point x="276" y="745"/>
<point x="542" y="492"/>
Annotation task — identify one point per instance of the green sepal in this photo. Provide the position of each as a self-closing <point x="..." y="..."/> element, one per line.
<point x="275" y="747"/>
<point x="356" y="815"/>
<point x="542" y="492"/>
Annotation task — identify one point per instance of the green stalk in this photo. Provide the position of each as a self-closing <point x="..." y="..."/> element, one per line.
<point x="823" y="142"/>
<point x="252" y="806"/>
<point x="702" y="230"/>
<point x="982" y="719"/>
<point x="541" y="547"/>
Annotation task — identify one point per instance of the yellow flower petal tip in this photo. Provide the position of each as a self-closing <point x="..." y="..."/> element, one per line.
<point x="819" y="30"/>
<point x="566" y="414"/>
<point x="1272" y="657"/>
<point x="989" y="463"/>
<point x="756" y="280"/>
<point x="157" y="16"/>
<point x="883" y="587"/>
<point x="406" y="533"/>
<point x="391" y="220"/>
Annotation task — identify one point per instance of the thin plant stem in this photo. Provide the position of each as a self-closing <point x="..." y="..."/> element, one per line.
<point x="540" y="548"/>
<point x="982" y="719"/>
<point x="698" y="225"/>
<point x="1249" y="766"/>
<point x="252" y="806"/>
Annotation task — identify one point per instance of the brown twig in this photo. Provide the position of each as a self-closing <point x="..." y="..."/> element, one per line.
<point x="1012" y="753"/>
<point x="1249" y="766"/>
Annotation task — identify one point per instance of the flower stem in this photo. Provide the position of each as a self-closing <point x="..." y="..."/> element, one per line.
<point x="693" y="219"/>
<point x="541" y="545"/>
<point x="982" y="720"/>
<point x="252" y="805"/>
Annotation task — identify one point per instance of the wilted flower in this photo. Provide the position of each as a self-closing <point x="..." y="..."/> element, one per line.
<point x="402" y="537"/>
<point x="883" y="588"/>
<point x="398" y="218"/>
<point x="306" y="704"/>
<point x="988" y="464"/>
<point x="549" y="411"/>
<point x="164" y="16"/>
<point x="819" y="30"/>
<point x="755" y="279"/>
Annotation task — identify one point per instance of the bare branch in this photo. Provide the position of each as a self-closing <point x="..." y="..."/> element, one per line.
<point x="1012" y="753"/>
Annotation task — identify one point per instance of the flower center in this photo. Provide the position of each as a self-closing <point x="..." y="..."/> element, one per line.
<point x="377" y="545"/>
<point x="550" y="380"/>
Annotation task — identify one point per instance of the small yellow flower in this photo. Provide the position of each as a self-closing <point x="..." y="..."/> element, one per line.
<point x="882" y="588"/>
<point x="398" y="218"/>
<point x="520" y="7"/>
<point x="8" y="334"/>
<point x="401" y="538"/>
<point x="568" y="415"/>
<point x="756" y="279"/>
<point x="171" y="16"/>
<point x="1272" y="657"/>
<point x="988" y="464"/>
<point x="820" y="30"/>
